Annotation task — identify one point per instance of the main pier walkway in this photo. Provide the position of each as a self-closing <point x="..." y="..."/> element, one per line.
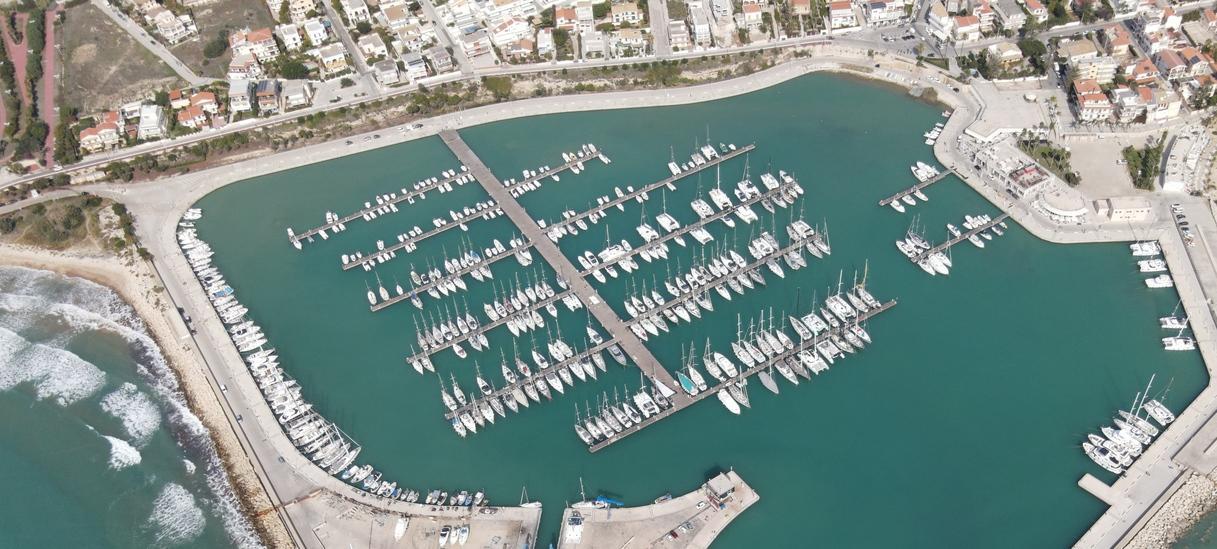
<point x="604" y="314"/>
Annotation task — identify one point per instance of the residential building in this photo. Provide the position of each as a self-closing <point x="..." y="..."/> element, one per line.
<point x="244" y="66"/>
<point x="798" y="7"/>
<point x="1198" y="62"/>
<point x="967" y="28"/>
<point x="173" y="28"/>
<point x="628" y="42"/>
<point x="299" y="10"/>
<point x="723" y="9"/>
<point x="416" y="66"/>
<point x="1005" y="54"/>
<point x="593" y="44"/>
<point x="371" y="45"/>
<point x="441" y="60"/>
<point x="397" y="16"/>
<point x="1116" y="40"/>
<point x="545" y="42"/>
<point x="1170" y="65"/>
<point x="626" y="12"/>
<point x="193" y="117"/>
<point x="678" y="35"/>
<point x="296" y="94"/>
<point x="179" y="98"/>
<point x="1128" y="103"/>
<point x="356" y="11"/>
<point x="699" y="24"/>
<point x="940" y="21"/>
<point x="1143" y="72"/>
<point x="316" y="31"/>
<point x="584" y="15"/>
<point x="752" y="15"/>
<point x="1077" y="50"/>
<point x="266" y="93"/>
<point x="1209" y="18"/>
<point x="1089" y="102"/>
<point x="386" y="71"/>
<point x="879" y="12"/>
<point x="333" y="58"/>
<point x="261" y="43"/>
<point x="1037" y="10"/>
<point x="105" y="135"/>
<point x="240" y="95"/>
<point x="289" y="34"/>
<point x="1009" y="14"/>
<point x="1165" y="105"/>
<point x="508" y="31"/>
<point x="206" y="101"/>
<point x="566" y="19"/>
<point x="1099" y="69"/>
<point x="985" y="14"/>
<point x="841" y="14"/>
<point x="152" y="123"/>
<point x="476" y="43"/>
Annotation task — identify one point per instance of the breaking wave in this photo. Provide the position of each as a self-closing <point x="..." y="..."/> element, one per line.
<point x="122" y="455"/>
<point x="31" y="297"/>
<point x="139" y="415"/>
<point x="176" y="518"/>
<point x="53" y="373"/>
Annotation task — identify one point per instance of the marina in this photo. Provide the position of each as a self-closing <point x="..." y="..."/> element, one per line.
<point x="962" y="236"/>
<point x="415" y="292"/>
<point x="364" y="384"/>
<point x="384" y="253"/>
<point x="910" y="195"/>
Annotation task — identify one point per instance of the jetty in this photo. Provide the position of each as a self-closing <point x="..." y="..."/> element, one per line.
<point x="576" y="159"/>
<point x="634" y="195"/>
<point x="604" y="314"/>
<point x="807" y="345"/>
<point x="962" y="237"/>
<point x="691" y="520"/>
<point x="917" y="187"/>
<point x="690" y="228"/>
<point x="390" y="201"/>
<point x="716" y="282"/>
<point x="484" y="328"/>
<point x="359" y="259"/>
<point x="418" y="291"/>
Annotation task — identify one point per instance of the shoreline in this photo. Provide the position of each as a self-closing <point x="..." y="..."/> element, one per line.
<point x="137" y="290"/>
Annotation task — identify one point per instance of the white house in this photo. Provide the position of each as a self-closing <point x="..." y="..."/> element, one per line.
<point x="289" y="34"/>
<point x="371" y="45"/>
<point x="356" y="11"/>
<point x="386" y="72"/>
<point x="316" y="32"/>
<point x="152" y="122"/>
<point x="416" y="66"/>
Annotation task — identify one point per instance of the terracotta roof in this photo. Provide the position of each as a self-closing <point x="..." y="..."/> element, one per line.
<point x="260" y="35"/>
<point x="1083" y="86"/>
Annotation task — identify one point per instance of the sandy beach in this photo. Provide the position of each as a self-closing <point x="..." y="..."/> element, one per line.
<point x="140" y="287"/>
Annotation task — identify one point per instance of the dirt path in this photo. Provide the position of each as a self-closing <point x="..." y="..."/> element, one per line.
<point x="46" y="99"/>
<point x="17" y="53"/>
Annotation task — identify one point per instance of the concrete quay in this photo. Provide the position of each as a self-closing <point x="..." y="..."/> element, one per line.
<point x="604" y="314"/>
<point x="693" y="520"/>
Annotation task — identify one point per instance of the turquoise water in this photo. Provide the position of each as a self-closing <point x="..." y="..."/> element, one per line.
<point x="97" y="447"/>
<point x="959" y="426"/>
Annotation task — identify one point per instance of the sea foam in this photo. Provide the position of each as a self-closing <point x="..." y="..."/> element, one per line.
<point x="54" y="373"/>
<point x="139" y="415"/>
<point x="176" y="518"/>
<point x="122" y="455"/>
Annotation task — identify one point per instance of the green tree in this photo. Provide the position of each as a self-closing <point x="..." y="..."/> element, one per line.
<point x="293" y="70"/>
<point x="218" y="45"/>
<point x="346" y="82"/>
<point x="500" y="86"/>
<point x="601" y="10"/>
<point x="363" y="27"/>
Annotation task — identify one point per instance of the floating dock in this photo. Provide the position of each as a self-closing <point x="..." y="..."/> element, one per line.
<point x="376" y="257"/>
<point x="920" y="185"/>
<point x="459" y="178"/>
<point x="713" y="390"/>
<point x="484" y="328"/>
<point x="509" y="252"/>
<point x="725" y="212"/>
<point x="604" y="314"/>
<point x="962" y="237"/>
<point x="584" y="155"/>
<point x="626" y="197"/>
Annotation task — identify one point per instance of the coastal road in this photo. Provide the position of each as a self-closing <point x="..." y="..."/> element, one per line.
<point x="151" y="44"/>
<point x="344" y="36"/>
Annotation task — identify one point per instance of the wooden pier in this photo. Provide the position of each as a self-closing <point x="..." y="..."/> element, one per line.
<point x="962" y="237"/>
<point x="375" y="257"/>
<point x="483" y="328"/>
<point x="421" y="191"/>
<point x="920" y="185"/>
<point x="711" y="391"/>
<point x="406" y="196"/>
<point x="687" y="229"/>
<point x="509" y="252"/>
<point x="630" y="344"/>
<point x="716" y="282"/>
<point x="626" y="197"/>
